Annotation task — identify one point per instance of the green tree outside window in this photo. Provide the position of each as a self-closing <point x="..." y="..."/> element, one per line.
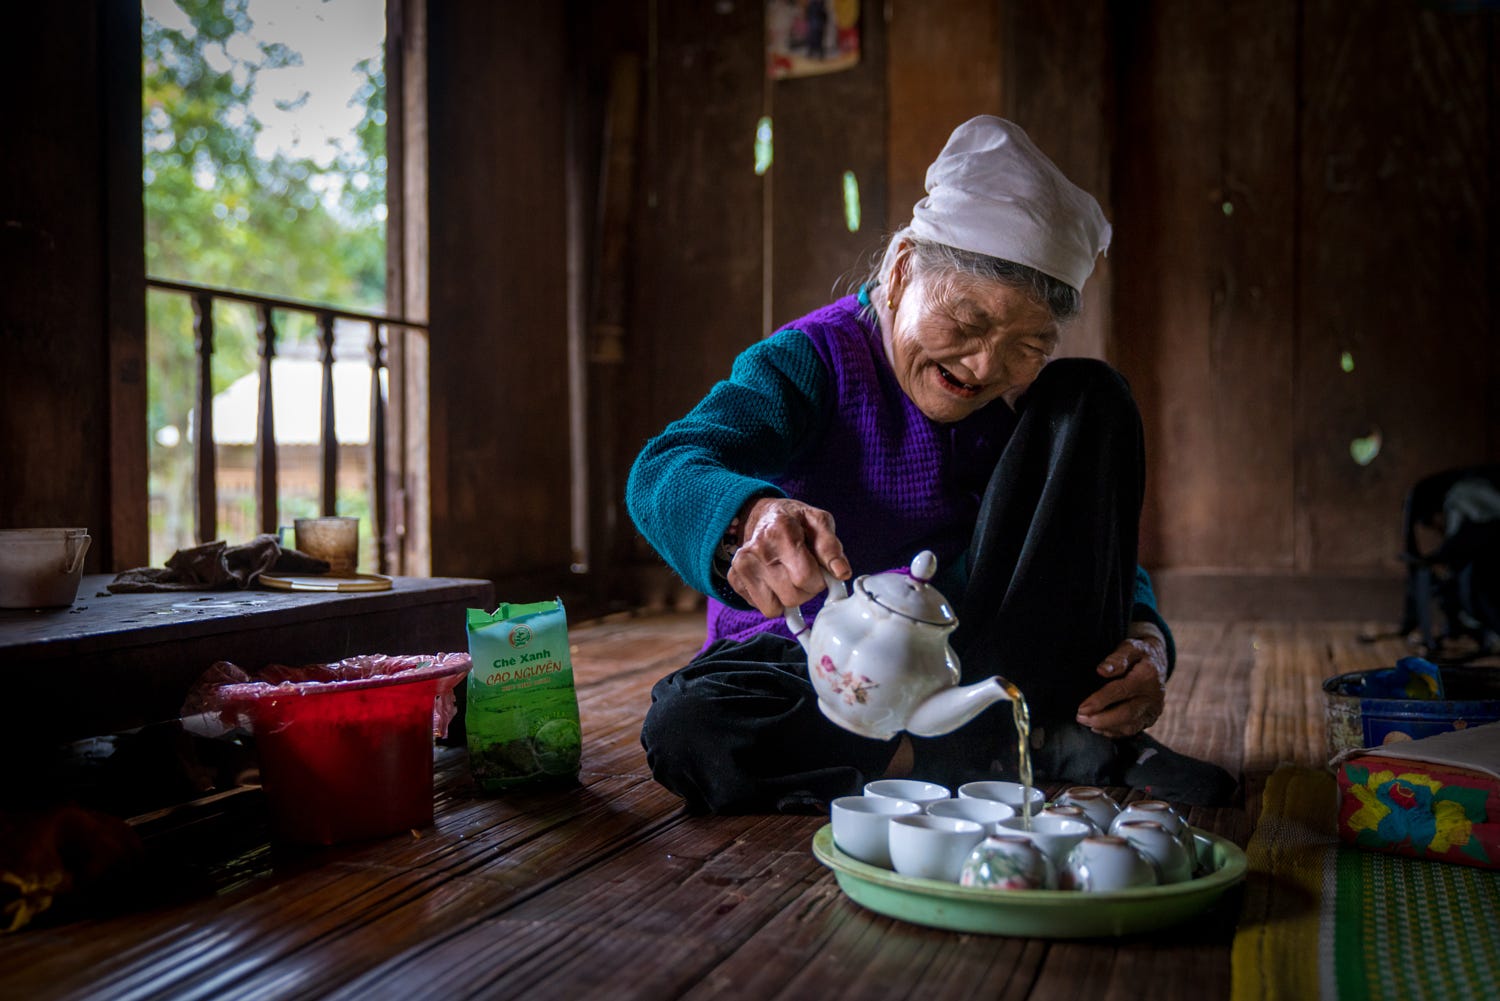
<point x="222" y="210"/>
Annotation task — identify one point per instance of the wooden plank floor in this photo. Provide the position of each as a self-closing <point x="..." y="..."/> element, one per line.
<point x="611" y="891"/>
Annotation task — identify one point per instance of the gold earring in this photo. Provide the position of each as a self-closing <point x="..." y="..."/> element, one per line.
<point x="890" y="304"/>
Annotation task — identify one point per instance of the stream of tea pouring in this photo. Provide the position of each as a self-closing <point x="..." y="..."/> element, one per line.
<point x="1022" y="717"/>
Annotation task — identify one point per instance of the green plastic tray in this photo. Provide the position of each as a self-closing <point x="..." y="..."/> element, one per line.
<point x="1035" y="913"/>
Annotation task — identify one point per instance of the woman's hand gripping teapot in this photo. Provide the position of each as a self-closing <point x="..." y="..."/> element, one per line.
<point x="880" y="661"/>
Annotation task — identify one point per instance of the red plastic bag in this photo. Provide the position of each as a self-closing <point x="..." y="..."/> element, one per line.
<point x="238" y="699"/>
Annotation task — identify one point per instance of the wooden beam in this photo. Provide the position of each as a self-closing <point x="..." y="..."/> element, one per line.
<point x="126" y="544"/>
<point x="498" y="298"/>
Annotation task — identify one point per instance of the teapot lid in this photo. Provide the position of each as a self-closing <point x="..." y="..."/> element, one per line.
<point x="909" y="594"/>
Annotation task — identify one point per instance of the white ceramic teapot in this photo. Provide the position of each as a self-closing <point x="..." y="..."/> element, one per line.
<point x="880" y="661"/>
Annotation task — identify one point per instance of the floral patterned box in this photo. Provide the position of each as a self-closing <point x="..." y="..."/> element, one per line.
<point x="1434" y="798"/>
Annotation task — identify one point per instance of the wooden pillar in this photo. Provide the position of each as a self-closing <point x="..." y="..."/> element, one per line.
<point x="265" y="427"/>
<point x="205" y="465"/>
<point x="328" y="441"/>
<point x="379" y="518"/>
<point x="126" y="544"/>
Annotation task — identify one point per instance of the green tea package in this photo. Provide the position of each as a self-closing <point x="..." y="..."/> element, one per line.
<point x="522" y="709"/>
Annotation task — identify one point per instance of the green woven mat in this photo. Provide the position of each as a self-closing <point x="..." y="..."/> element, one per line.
<point x="1407" y="929"/>
<point x="1322" y="920"/>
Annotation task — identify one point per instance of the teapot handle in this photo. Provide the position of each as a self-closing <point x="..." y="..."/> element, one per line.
<point x="794" y="620"/>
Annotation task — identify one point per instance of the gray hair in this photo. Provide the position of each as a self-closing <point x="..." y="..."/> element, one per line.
<point x="929" y="257"/>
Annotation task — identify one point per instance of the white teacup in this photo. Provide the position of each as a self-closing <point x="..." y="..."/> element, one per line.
<point x="862" y="826"/>
<point x="1165" y="814"/>
<point x="1071" y="812"/>
<point x="932" y="847"/>
<point x="1009" y="793"/>
<point x="1098" y="804"/>
<point x="1159" y="810"/>
<point x="988" y="812"/>
<point x="1006" y="863"/>
<point x="1101" y="863"/>
<point x="1162" y="849"/>
<point x="1053" y="836"/>
<point x="912" y="790"/>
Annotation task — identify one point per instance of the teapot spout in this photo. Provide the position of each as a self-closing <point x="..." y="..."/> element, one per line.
<point x="947" y="710"/>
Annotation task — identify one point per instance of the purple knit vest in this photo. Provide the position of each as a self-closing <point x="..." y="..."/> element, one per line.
<point x="895" y="482"/>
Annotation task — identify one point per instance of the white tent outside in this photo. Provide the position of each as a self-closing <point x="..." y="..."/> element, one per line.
<point x="297" y="401"/>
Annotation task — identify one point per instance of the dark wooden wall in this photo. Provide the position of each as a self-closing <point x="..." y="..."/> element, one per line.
<point x="717" y="256"/>
<point x="723" y="256"/>
<point x="1289" y="180"/>
<point x="497" y="292"/>
<point x="1295" y="181"/>
<point x="72" y="266"/>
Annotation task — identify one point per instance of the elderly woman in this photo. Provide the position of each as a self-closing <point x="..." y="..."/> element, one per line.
<point x="923" y="412"/>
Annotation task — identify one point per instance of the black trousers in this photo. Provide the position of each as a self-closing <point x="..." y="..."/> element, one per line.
<point x="1052" y="582"/>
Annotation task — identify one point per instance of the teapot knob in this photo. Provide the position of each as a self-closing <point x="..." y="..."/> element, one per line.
<point x="924" y="566"/>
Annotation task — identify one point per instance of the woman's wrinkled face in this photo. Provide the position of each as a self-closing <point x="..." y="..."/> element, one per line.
<point x="958" y="343"/>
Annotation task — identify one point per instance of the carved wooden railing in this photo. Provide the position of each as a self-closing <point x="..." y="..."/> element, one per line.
<point x="205" y="482"/>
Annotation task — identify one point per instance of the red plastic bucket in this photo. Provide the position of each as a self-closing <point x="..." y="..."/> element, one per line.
<point x="346" y="760"/>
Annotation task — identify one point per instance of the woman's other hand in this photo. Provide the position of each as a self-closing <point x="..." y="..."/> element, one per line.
<point x="1137" y="690"/>
<point x="786" y="546"/>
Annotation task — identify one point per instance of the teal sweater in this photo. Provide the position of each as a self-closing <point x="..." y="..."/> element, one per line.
<point x="689" y="482"/>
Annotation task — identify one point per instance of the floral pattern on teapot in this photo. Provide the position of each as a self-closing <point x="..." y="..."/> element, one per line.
<point x="879" y="659"/>
<point x="854" y="689"/>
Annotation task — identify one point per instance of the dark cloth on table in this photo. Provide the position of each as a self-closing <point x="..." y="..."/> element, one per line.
<point x="217" y="566"/>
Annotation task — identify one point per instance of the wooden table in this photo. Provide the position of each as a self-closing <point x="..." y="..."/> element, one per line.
<point x="610" y="890"/>
<point x="116" y="661"/>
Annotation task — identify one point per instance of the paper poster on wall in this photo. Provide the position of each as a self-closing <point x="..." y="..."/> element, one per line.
<point x="807" y="37"/>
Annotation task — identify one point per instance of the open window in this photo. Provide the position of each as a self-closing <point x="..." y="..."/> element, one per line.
<point x="286" y="284"/>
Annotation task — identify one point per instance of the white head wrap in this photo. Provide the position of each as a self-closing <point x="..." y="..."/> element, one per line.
<point x="991" y="191"/>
